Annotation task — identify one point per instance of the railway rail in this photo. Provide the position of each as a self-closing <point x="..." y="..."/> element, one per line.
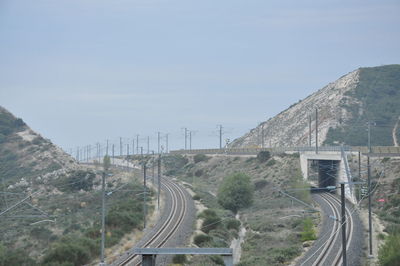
<point x="168" y="227"/>
<point x="329" y="252"/>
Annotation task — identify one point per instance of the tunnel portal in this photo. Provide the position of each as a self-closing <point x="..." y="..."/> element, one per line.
<point x="328" y="171"/>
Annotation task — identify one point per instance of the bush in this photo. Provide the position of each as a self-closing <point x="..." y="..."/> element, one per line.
<point x="235" y="192"/>
<point x="389" y="252"/>
<point x="308" y="230"/>
<point x="232" y="224"/>
<point x="263" y="156"/>
<point x="76" y="251"/>
<point x="196" y="197"/>
<point x="260" y="184"/>
<point x="174" y="164"/>
<point x="200" y="240"/>
<point x="179" y="259"/>
<point x="210" y="223"/>
<point x="200" y="158"/>
<point x="14" y="257"/>
<point x="207" y="213"/>
<point x="199" y="172"/>
<point x="217" y="260"/>
<point x="270" y="162"/>
<point x="76" y="181"/>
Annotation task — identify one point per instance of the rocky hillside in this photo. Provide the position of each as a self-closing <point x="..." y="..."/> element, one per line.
<point x="344" y="108"/>
<point x="51" y="206"/>
<point x="24" y="154"/>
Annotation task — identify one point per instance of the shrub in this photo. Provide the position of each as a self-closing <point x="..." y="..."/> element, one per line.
<point x="77" y="251"/>
<point x="263" y="156"/>
<point x="179" y="259"/>
<point x="200" y="158"/>
<point x="217" y="260"/>
<point x="41" y="233"/>
<point x="76" y="181"/>
<point x="308" y="230"/>
<point x="14" y="257"/>
<point x="210" y="223"/>
<point x="389" y="252"/>
<point x="200" y="240"/>
<point x="174" y="164"/>
<point x="196" y="197"/>
<point x="260" y="184"/>
<point x="235" y="192"/>
<point x="232" y="224"/>
<point x="207" y="213"/>
<point x="199" y="172"/>
<point x="270" y="162"/>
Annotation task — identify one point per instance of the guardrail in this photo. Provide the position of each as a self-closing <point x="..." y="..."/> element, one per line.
<point x="375" y="150"/>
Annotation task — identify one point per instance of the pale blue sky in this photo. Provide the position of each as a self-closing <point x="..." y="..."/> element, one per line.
<point x="82" y="71"/>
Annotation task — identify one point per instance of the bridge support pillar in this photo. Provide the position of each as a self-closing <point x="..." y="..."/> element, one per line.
<point x="148" y="260"/>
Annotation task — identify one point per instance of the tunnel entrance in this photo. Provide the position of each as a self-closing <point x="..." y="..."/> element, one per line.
<point x="328" y="171"/>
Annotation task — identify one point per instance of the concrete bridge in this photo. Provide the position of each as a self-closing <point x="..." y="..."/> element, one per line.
<point x="332" y="168"/>
<point x="330" y="161"/>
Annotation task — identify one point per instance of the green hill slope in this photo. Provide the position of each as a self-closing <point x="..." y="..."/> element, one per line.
<point x="377" y="99"/>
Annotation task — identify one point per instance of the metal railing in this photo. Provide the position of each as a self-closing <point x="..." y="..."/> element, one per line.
<point x="385" y="150"/>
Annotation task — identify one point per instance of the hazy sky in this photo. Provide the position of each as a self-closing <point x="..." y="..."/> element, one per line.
<point x="82" y="71"/>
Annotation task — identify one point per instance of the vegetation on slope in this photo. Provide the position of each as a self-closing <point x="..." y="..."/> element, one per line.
<point x="235" y="192"/>
<point x="377" y="99"/>
<point x="271" y="238"/>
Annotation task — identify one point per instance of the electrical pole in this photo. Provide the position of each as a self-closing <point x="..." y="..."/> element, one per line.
<point x="166" y="143"/>
<point x="316" y="130"/>
<point x="309" y="130"/>
<point x="148" y="144"/>
<point x="141" y="151"/>
<point x="185" y="138"/>
<point x="127" y="159"/>
<point x="158" y="142"/>
<point x="120" y="146"/>
<point x="159" y="180"/>
<point x="190" y="140"/>
<point x="369" y="190"/>
<point x="144" y="196"/>
<point x="220" y="136"/>
<point x="343" y="224"/>
<point x="153" y="167"/>
<point x="113" y="155"/>
<point x="137" y="144"/>
<point x="103" y="206"/>
<point x="262" y="136"/>
<point x="107" y="148"/>
<point x="359" y="173"/>
<point x="133" y="147"/>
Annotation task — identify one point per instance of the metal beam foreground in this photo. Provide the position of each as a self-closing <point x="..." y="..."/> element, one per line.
<point x="149" y="254"/>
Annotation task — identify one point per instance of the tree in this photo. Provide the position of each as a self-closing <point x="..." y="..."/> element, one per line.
<point x="106" y="162"/>
<point x="235" y="192"/>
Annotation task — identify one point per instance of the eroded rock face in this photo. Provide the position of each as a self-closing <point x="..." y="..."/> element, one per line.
<point x="25" y="153"/>
<point x="291" y="127"/>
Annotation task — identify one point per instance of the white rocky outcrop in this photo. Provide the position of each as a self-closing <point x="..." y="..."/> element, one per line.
<point x="291" y="127"/>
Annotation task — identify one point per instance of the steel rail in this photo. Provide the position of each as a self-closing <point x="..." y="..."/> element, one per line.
<point x="349" y="230"/>
<point x="335" y="205"/>
<point x="171" y="224"/>
<point x="332" y="237"/>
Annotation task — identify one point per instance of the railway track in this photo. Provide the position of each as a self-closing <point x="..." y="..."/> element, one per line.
<point x="168" y="227"/>
<point x="330" y="251"/>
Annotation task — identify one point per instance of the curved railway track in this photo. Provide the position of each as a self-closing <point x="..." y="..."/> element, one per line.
<point x="330" y="251"/>
<point x="168" y="227"/>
